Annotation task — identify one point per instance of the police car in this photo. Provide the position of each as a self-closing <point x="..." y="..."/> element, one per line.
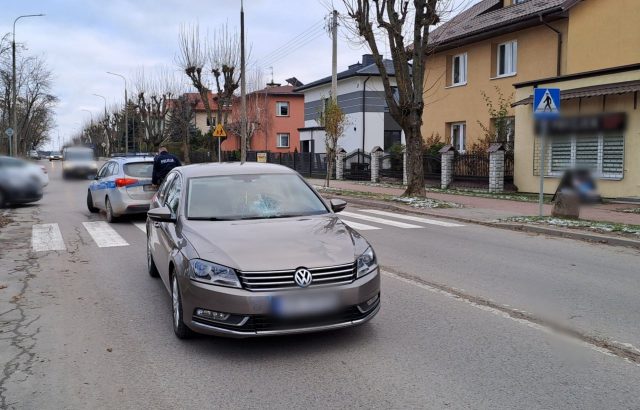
<point x="122" y="187"/>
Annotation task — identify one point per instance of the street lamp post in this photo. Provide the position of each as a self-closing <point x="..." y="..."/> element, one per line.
<point x="105" y="118"/>
<point x="91" y="126"/>
<point x="126" y="115"/>
<point x="14" y="118"/>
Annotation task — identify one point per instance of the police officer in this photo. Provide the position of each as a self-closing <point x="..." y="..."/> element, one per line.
<point x="163" y="163"/>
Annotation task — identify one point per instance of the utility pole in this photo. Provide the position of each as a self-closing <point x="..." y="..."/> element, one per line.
<point x="14" y="117"/>
<point x="334" y="59"/>
<point x="243" y="91"/>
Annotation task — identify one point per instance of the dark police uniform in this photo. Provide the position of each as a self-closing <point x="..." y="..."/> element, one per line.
<point x="162" y="164"/>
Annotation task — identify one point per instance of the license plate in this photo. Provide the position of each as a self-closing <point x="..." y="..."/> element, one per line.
<point x="300" y="305"/>
<point x="149" y="188"/>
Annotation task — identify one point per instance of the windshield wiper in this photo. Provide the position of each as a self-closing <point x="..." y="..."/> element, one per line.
<point x="208" y="218"/>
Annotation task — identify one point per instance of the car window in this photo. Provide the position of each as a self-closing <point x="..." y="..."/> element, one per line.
<point x="109" y="170"/>
<point x="116" y="169"/>
<point x="173" y="195"/>
<point x="162" y="192"/>
<point x="139" y="169"/>
<point x="103" y="171"/>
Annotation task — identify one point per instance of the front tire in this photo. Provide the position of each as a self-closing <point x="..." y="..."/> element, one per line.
<point x="151" y="265"/>
<point x="3" y="200"/>
<point x="111" y="218"/>
<point x="179" y="328"/>
<point x="90" y="206"/>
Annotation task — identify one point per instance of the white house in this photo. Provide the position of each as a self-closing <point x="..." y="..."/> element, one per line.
<point x="361" y="97"/>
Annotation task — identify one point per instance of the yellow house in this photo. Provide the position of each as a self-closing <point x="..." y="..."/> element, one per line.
<point x="590" y="49"/>
<point x="485" y="50"/>
<point x="600" y="86"/>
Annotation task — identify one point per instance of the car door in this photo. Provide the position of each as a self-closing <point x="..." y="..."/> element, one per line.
<point x="153" y="227"/>
<point x="166" y="230"/>
<point x="98" y="186"/>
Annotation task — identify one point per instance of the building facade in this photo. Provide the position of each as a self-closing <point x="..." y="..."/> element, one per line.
<point x="478" y="55"/>
<point x="361" y="97"/>
<point x="274" y="115"/>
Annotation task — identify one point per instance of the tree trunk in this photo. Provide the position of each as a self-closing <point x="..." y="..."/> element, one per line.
<point x="415" y="166"/>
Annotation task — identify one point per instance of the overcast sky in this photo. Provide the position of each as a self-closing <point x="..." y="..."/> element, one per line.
<point x="82" y="39"/>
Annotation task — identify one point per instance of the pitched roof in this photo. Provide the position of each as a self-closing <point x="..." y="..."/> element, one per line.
<point x="199" y="104"/>
<point x="354" y="70"/>
<point x="278" y="90"/>
<point x="489" y="15"/>
<point x="592" y="91"/>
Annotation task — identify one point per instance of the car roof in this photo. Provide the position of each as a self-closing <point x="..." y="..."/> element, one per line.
<point x="127" y="160"/>
<point x="232" y="168"/>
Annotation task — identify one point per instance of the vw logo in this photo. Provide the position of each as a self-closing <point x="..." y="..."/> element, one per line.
<point x="303" y="277"/>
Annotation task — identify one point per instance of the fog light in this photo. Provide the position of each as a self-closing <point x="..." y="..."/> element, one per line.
<point x="372" y="300"/>
<point x="369" y="304"/>
<point x="210" y="314"/>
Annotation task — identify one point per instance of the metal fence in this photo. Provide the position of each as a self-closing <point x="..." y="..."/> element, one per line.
<point x="308" y="164"/>
<point x="471" y="170"/>
<point x="357" y="166"/>
<point x="392" y="167"/>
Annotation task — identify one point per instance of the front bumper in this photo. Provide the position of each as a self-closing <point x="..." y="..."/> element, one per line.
<point x="254" y="309"/>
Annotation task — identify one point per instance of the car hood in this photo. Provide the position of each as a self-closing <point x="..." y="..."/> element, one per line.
<point x="275" y="244"/>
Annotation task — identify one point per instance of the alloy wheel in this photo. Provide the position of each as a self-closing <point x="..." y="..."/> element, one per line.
<point x="176" y="302"/>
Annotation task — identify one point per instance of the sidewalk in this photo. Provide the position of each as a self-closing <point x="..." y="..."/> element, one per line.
<point x="489" y="209"/>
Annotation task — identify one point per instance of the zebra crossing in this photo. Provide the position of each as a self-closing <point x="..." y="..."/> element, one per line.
<point x="48" y="236"/>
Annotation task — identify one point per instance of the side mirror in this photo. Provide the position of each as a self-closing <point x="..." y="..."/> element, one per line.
<point x="337" y="205"/>
<point x="162" y="214"/>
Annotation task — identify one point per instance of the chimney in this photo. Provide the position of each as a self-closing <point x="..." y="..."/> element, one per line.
<point x="367" y="60"/>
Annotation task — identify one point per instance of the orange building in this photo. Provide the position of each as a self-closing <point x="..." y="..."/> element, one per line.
<point x="274" y="115"/>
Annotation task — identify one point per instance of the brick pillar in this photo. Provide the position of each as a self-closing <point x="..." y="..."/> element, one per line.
<point x="496" y="171"/>
<point x="340" y="155"/>
<point x="405" y="178"/>
<point x="446" y="178"/>
<point x="376" y="163"/>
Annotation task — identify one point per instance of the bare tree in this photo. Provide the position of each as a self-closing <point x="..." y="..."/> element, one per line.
<point x="154" y="92"/>
<point x="405" y="24"/>
<point x="258" y="115"/>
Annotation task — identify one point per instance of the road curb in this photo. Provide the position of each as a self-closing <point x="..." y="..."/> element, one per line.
<point x="562" y="233"/>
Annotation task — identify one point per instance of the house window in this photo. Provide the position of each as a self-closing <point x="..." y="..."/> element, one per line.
<point x="459" y="69"/>
<point x="507" y="58"/>
<point x="283" y="141"/>
<point x="519" y="1"/>
<point x="603" y="155"/>
<point x="211" y="123"/>
<point x="282" y="109"/>
<point x="458" y="135"/>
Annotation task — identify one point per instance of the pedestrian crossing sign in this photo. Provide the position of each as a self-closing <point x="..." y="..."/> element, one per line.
<point x="219" y="132"/>
<point x="546" y="102"/>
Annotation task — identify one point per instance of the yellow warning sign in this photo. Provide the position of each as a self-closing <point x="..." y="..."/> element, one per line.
<point x="219" y="131"/>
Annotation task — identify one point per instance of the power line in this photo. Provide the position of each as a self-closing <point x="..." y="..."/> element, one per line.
<point x="293" y="47"/>
<point x="309" y="31"/>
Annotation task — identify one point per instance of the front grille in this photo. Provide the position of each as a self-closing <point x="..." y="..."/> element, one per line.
<point x="283" y="279"/>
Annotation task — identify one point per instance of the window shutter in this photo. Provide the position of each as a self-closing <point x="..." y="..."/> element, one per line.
<point x="560" y="155"/>
<point x="587" y="153"/>
<point x="613" y="157"/>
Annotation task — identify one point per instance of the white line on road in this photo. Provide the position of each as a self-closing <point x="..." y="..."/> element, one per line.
<point x="104" y="235"/>
<point x="360" y="227"/>
<point x="504" y="315"/>
<point x="142" y="226"/>
<point x="47" y="237"/>
<point x="411" y="218"/>
<point x="380" y="220"/>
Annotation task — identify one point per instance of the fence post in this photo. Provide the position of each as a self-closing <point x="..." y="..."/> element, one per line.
<point x="496" y="168"/>
<point x="376" y="163"/>
<point x="405" y="178"/>
<point x="446" y="178"/>
<point x="340" y="155"/>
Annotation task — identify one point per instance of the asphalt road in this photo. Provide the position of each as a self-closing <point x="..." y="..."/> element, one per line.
<point x="86" y="327"/>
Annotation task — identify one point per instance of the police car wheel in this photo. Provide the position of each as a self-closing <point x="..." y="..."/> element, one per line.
<point x="111" y="218"/>
<point x="90" y="206"/>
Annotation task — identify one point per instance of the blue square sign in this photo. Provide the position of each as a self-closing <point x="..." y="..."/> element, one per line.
<point x="546" y="102"/>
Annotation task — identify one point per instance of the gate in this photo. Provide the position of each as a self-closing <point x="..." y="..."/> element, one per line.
<point x="392" y="166"/>
<point x="357" y="166"/>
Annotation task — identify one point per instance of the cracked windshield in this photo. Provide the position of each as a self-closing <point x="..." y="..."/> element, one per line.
<point x="424" y="204"/>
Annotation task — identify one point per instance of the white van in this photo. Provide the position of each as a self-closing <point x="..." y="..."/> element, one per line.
<point x="79" y="162"/>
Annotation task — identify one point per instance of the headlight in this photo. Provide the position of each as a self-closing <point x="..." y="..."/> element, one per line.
<point x="215" y="274"/>
<point x="367" y="263"/>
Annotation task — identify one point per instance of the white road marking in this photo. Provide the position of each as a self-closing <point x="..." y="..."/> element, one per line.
<point x="380" y="220"/>
<point x="504" y="315"/>
<point x="360" y="227"/>
<point x="104" y="235"/>
<point x="47" y="237"/>
<point x="142" y="226"/>
<point x="411" y="218"/>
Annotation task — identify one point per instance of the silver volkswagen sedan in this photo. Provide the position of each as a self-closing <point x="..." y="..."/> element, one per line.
<point x="252" y="250"/>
